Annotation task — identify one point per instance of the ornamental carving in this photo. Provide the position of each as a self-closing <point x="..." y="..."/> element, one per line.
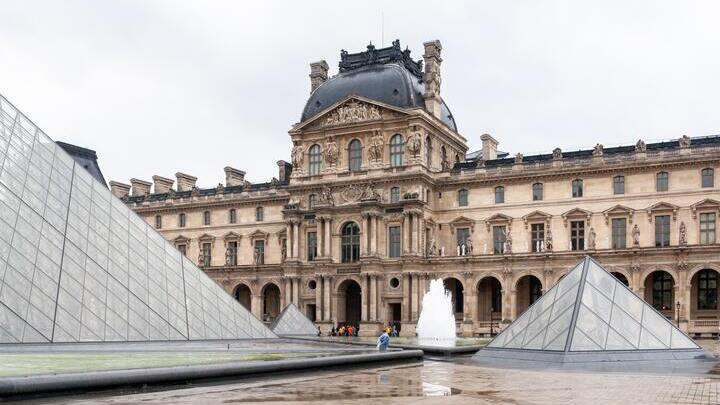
<point x="519" y="158"/>
<point x="640" y="146"/>
<point x="414" y="144"/>
<point x="351" y="194"/>
<point x="354" y="111"/>
<point x="370" y="193"/>
<point x="331" y="153"/>
<point x="682" y="234"/>
<point x="297" y="155"/>
<point x="557" y="153"/>
<point x="598" y="150"/>
<point x="326" y="196"/>
<point x="684" y="141"/>
<point x="375" y="149"/>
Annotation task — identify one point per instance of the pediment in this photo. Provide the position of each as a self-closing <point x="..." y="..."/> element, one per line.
<point x="461" y="222"/>
<point x="498" y="219"/>
<point x="351" y="110"/>
<point x="576" y="213"/>
<point x="259" y="234"/>
<point x="707" y="204"/>
<point x="618" y="210"/>
<point x="181" y="239"/>
<point x="206" y="238"/>
<point x="232" y="235"/>
<point x="536" y="216"/>
<point x="661" y="207"/>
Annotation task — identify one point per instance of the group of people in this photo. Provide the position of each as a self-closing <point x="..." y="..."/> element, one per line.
<point x="345" y="330"/>
<point x="392" y="330"/>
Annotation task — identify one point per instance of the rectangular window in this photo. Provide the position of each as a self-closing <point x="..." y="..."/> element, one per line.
<point x="577" y="188"/>
<point x="662" y="230"/>
<point x="708" y="178"/>
<point x="206" y="218"/>
<point x="395" y="195"/>
<point x="537" y="237"/>
<point x="463" y="198"/>
<point x="259" y="252"/>
<point x="182" y="248"/>
<point x="233" y="216"/>
<point x="619" y="233"/>
<point x="537" y="192"/>
<point x="395" y="238"/>
<point x="158" y="222"/>
<point x="498" y="240"/>
<point x="462" y="235"/>
<point x="619" y="185"/>
<point x="259" y="214"/>
<point x="662" y="181"/>
<point x="707" y="228"/>
<point x="577" y="235"/>
<point x="207" y="254"/>
<point x="499" y="195"/>
<point x="232" y="253"/>
<point x="311" y="246"/>
<point x="707" y="289"/>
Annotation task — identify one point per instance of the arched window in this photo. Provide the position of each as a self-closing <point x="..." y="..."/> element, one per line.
<point x="499" y="195"/>
<point x="314" y="160"/>
<point x="428" y="151"/>
<point x="537" y="192"/>
<point x="577" y="188"/>
<point x="443" y="155"/>
<point x="158" y="222"/>
<point x="708" y="177"/>
<point x="662" y="180"/>
<point x="206" y="218"/>
<point x="354" y="155"/>
<point x="233" y="216"/>
<point x="619" y="185"/>
<point x="396" y="150"/>
<point x="707" y="289"/>
<point x="350" y="243"/>
<point x="259" y="214"/>
<point x="462" y="198"/>
<point x="312" y="199"/>
<point x="181" y="220"/>
<point x="395" y="194"/>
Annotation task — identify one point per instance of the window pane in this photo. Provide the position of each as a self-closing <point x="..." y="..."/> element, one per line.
<point x="662" y="180"/>
<point x="537" y="192"/>
<point x="314" y="160"/>
<point x="395" y="194"/>
<point x="396" y="150"/>
<point x="619" y="185"/>
<point x="463" y="198"/>
<point x="537" y="237"/>
<point x="498" y="239"/>
<point x="395" y="240"/>
<point x="577" y="235"/>
<point x="662" y="230"/>
<point x="577" y="188"/>
<point x="312" y="245"/>
<point x="708" y="178"/>
<point x="499" y="195"/>
<point x="619" y="233"/>
<point x="355" y="155"/>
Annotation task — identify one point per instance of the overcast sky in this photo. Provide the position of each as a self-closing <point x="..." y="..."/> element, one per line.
<point x="157" y="87"/>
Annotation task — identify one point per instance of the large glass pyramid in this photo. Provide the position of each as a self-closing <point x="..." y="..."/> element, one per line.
<point x="292" y="322"/>
<point x="590" y="311"/>
<point x="77" y="265"/>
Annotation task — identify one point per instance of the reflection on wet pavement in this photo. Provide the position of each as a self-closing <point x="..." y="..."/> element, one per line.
<point x="449" y="382"/>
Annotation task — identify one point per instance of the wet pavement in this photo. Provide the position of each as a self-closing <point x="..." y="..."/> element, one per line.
<point x="435" y="381"/>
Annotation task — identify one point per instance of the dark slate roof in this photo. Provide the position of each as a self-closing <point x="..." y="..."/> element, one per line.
<point x="87" y="158"/>
<point x="206" y="192"/>
<point x="387" y="75"/>
<point x="700" y="141"/>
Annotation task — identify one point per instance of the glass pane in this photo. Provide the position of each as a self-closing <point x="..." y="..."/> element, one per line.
<point x="592" y="326"/>
<point x="625" y="325"/>
<point x="657" y="324"/>
<point x="648" y="341"/>
<point x="558" y="326"/>
<point x="601" y="279"/>
<point x="629" y="302"/>
<point x="580" y="342"/>
<point x="617" y="342"/>
<point x="681" y="341"/>
<point x="600" y="305"/>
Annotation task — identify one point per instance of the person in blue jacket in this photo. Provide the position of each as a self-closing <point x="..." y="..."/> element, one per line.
<point x="383" y="342"/>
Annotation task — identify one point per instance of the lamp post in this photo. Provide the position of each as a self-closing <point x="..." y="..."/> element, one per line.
<point x="677" y="316"/>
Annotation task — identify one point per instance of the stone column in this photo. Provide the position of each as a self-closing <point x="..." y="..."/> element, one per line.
<point x="296" y="291"/>
<point x="318" y="298"/>
<point x="288" y="290"/>
<point x="368" y="234"/>
<point x="364" y="298"/>
<point x="374" y="237"/>
<point x="326" y="298"/>
<point x="416" y="225"/>
<point x="256" y="305"/>
<point x="288" y="232"/>
<point x="406" y="298"/>
<point x="503" y="308"/>
<point x="406" y="233"/>
<point x="415" y="296"/>
<point x="320" y="237"/>
<point x="328" y="238"/>
<point x="373" y="297"/>
<point x="513" y="304"/>
<point x="296" y="239"/>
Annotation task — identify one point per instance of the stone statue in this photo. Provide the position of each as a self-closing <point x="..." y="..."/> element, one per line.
<point x="331" y="153"/>
<point x="636" y="235"/>
<point x="433" y="248"/>
<point x="257" y="257"/>
<point x="598" y="151"/>
<point x="283" y="250"/>
<point x="370" y="193"/>
<point x="683" y="234"/>
<point x="640" y="146"/>
<point x="591" y="239"/>
<point x="684" y="141"/>
<point x="326" y="196"/>
<point x="414" y="144"/>
<point x="519" y="158"/>
<point x="297" y="155"/>
<point x="201" y="258"/>
<point x="375" y="149"/>
<point x="508" y="241"/>
<point x="442" y="250"/>
<point x="557" y="153"/>
<point x="468" y="245"/>
<point x="228" y="255"/>
<point x="548" y="241"/>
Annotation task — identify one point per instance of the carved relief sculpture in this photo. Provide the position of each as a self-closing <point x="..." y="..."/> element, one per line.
<point x="326" y="196"/>
<point x="508" y="241"/>
<point x="683" y="234"/>
<point x="297" y="155"/>
<point x="354" y="111"/>
<point x="370" y="193"/>
<point x="519" y="158"/>
<point x="640" y="146"/>
<point x="636" y="235"/>
<point x="557" y="153"/>
<point x="591" y="239"/>
<point x="684" y="141"/>
<point x="375" y="149"/>
<point x="548" y="241"/>
<point x="598" y="150"/>
<point x="414" y="144"/>
<point x="331" y="153"/>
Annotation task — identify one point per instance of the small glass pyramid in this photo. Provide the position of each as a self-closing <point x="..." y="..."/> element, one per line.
<point x="292" y="322"/>
<point x="589" y="310"/>
<point x="77" y="265"/>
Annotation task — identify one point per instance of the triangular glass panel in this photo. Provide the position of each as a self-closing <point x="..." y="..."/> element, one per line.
<point x="293" y="322"/>
<point x="580" y="342"/>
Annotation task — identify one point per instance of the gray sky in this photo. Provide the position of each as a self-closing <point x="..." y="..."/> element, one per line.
<point x="163" y="86"/>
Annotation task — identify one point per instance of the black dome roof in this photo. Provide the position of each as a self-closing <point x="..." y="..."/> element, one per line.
<point x="387" y="75"/>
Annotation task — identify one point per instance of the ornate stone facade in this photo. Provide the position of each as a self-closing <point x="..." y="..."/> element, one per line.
<point x="359" y="241"/>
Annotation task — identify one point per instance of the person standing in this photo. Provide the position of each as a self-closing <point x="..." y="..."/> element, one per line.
<point x="383" y="342"/>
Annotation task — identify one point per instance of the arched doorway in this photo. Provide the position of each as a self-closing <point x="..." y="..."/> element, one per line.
<point x="704" y="294"/>
<point x="489" y="300"/>
<point x="271" y="302"/>
<point x="621" y="277"/>
<point x="349" y="303"/>
<point x="242" y="295"/>
<point x="660" y="291"/>
<point x="529" y="290"/>
<point x="458" y="296"/>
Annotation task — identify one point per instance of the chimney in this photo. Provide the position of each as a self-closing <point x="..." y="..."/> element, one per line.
<point x="284" y="171"/>
<point x="119" y="190"/>
<point x="162" y="184"/>
<point x="489" y="147"/>
<point x="185" y="182"/>
<point x="140" y="187"/>
<point x="432" y="79"/>
<point x="234" y="177"/>
<point x="318" y="74"/>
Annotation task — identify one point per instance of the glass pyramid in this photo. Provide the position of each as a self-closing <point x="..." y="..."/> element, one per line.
<point x="590" y="310"/>
<point x="292" y="322"/>
<point x="77" y="265"/>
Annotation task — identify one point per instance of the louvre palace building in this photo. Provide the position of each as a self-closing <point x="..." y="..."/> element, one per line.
<point x="382" y="195"/>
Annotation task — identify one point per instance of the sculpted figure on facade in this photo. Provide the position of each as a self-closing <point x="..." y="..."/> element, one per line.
<point x="636" y="235"/>
<point x="684" y="141"/>
<point x="548" y="240"/>
<point x="591" y="239"/>
<point x="433" y="250"/>
<point x="598" y="150"/>
<point x="557" y="153"/>
<point x="370" y="193"/>
<point x="375" y="149"/>
<point x="508" y="241"/>
<point x="683" y="234"/>
<point x="201" y="258"/>
<point x="640" y="146"/>
<point x="519" y="158"/>
<point x="414" y="144"/>
<point x="354" y="111"/>
<point x="326" y="196"/>
<point x="468" y="245"/>
<point x="297" y="155"/>
<point x="229" y="253"/>
<point x="283" y="250"/>
<point x="331" y="153"/>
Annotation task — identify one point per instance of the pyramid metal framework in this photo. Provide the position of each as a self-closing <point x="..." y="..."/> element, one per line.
<point x="77" y="265"/>
<point x="292" y="322"/>
<point x="589" y="315"/>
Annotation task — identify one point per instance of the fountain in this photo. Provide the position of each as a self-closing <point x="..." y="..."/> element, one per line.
<point x="436" y="326"/>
